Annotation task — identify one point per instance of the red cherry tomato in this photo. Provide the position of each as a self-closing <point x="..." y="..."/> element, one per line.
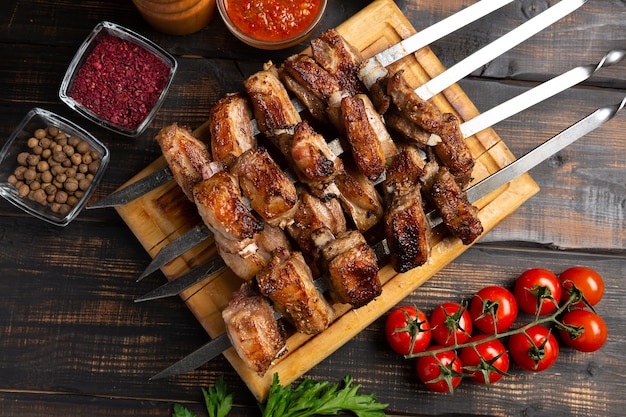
<point x="493" y="309"/>
<point x="535" y="350"/>
<point x="451" y="323"/>
<point x="585" y="280"/>
<point x="588" y="333"/>
<point x="440" y="372"/>
<point x="486" y="362"/>
<point x="537" y="290"/>
<point x="407" y="330"/>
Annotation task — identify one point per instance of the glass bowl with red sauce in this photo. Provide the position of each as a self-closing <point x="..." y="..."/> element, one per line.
<point x="271" y="24"/>
<point x="118" y="79"/>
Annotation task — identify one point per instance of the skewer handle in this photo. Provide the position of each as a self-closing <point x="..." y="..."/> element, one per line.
<point x="374" y="68"/>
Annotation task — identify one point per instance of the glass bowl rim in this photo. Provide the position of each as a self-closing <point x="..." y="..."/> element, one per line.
<point x="81" y="55"/>
<point x="266" y="44"/>
<point x="9" y="192"/>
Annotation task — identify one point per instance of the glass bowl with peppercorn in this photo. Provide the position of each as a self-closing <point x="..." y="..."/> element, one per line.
<point x="118" y="79"/>
<point x="50" y="167"/>
<point x="271" y="24"/>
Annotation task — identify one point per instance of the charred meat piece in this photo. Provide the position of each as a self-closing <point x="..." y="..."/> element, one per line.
<point x="312" y="214"/>
<point x="408" y="130"/>
<point x="413" y="107"/>
<point x="406" y="227"/>
<point x="312" y="156"/>
<point x="271" y="193"/>
<point x="230" y="124"/>
<point x="340" y="59"/>
<point x="311" y="83"/>
<point x="351" y="265"/>
<point x="257" y="336"/>
<point x="369" y="140"/>
<point x="247" y="264"/>
<point x="453" y="152"/>
<point x="404" y="171"/>
<point x="271" y="105"/>
<point x="359" y="198"/>
<point x="407" y="230"/>
<point x="450" y="147"/>
<point x="223" y="210"/>
<point x="457" y="213"/>
<point x="287" y="280"/>
<point x="188" y="158"/>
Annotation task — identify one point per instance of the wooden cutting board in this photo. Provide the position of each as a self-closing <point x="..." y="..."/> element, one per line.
<point x="164" y="214"/>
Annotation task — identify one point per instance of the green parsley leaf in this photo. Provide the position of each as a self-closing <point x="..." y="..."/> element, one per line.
<point x="180" y="411"/>
<point x="319" y="398"/>
<point x="217" y="399"/>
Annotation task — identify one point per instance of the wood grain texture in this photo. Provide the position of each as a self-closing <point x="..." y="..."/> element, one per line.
<point x="161" y="215"/>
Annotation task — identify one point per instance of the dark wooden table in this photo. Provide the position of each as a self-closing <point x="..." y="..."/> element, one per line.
<point x="73" y="342"/>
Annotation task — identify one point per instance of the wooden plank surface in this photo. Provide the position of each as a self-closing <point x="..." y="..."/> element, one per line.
<point x="163" y="214"/>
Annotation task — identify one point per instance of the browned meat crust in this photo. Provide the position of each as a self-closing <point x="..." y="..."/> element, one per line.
<point x="413" y="107"/>
<point x="188" y="158"/>
<point x="406" y="227"/>
<point x="359" y="198"/>
<point x="366" y="147"/>
<point x="352" y="267"/>
<point x="287" y="280"/>
<point x="340" y="59"/>
<point x="230" y="124"/>
<point x="253" y="330"/>
<point x="453" y="152"/>
<point x="222" y="209"/>
<point x="457" y="213"/>
<point x="312" y="214"/>
<point x="271" y="105"/>
<point x="271" y="193"/>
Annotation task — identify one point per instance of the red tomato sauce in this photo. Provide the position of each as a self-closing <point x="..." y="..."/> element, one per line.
<point x="272" y="20"/>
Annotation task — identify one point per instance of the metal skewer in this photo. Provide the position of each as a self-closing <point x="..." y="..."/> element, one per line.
<point x="602" y="115"/>
<point x="475" y="125"/>
<point x="426" y="91"/>
<point x="412" y="44"/>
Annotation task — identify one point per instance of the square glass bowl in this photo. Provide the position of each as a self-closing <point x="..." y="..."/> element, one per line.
<point x="124" y="88"/>
<point x="18" y="148"/>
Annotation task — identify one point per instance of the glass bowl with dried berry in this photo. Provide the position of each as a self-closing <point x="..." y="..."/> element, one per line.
<point x="118" y="79"/>
<point x="49" y="167"/>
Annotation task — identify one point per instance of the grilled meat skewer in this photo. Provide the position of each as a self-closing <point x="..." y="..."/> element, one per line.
<point x="379" y="61"/>
<point x="483" y="188"/>
<point x="478" y="123"/>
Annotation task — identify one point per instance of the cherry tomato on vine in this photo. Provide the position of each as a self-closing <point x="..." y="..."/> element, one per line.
<point x="537" y="290"/>
<point x="589" y="331"/>
<point x="407" y="330"/>
<point x="585" y="280"/>
<point x="534" y="350"/>
<point x="486" y="362"/>
<point x="440" y="372"/>
<point x="493" y="308"/>
<point x="451" y="323"/>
